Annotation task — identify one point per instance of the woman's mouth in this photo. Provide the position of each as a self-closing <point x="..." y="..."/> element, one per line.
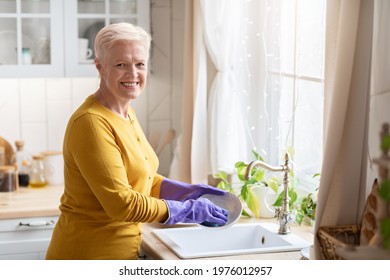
<point x="130" y="84"/>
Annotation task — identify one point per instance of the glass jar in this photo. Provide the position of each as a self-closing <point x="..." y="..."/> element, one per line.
<point x="37" y="172"/>
<point x="8" y="178"/>
<point x="22" y="159"/>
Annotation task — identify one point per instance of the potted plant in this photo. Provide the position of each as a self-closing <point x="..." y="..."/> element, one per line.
<point x="303" y="208"/>
<point x="253" y="191"/>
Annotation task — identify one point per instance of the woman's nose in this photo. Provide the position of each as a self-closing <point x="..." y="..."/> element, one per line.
<point x="132" y="70"/>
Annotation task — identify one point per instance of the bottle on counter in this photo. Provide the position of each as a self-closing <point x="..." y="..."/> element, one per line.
<point x="37" y="172"/>
<point x="8" y="178"/>
<point x="22" y="159"/>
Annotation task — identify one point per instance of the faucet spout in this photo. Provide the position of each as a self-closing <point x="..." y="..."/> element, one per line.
<point x="283" y="214"/>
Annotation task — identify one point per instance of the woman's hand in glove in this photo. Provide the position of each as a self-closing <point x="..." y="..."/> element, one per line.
<point x="180" y="191"/>
<point x="195" y="211"/>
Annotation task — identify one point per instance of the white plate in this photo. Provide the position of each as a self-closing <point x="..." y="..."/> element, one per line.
<point x="229" y="202"/>
<point x="8" y="46"/>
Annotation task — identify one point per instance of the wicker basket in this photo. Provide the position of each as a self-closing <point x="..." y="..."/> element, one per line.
<point x="332" y="237"/>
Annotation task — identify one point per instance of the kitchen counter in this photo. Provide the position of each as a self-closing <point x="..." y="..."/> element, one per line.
<point x="28" y="202"/>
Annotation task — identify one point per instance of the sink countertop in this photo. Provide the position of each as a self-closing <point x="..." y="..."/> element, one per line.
<point x="153" y="248"/>
<point x="28" y="202"/>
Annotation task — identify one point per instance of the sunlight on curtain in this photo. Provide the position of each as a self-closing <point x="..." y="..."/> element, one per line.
<point x="222" y="32"/>
<point x="289" y="116"/>
<point x="267" y="94"/>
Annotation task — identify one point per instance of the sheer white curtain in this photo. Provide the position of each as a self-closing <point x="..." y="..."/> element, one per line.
<point x="223" y="25"/>
<point x="190" y="159"/>
<point x="347" y="87"/>
<point x="213" y="130"/>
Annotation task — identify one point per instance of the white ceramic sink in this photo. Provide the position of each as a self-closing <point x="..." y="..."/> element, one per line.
<point x="251" y="238"/>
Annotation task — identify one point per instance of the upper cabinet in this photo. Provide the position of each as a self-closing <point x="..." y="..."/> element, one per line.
<point x="31" y="38"/>
<point x="55" y="38"/>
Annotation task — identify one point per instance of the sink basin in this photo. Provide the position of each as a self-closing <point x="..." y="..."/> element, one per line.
<point x="251" y="238"/>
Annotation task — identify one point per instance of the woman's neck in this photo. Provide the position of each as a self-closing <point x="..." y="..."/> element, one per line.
<point x="117" y="106"/>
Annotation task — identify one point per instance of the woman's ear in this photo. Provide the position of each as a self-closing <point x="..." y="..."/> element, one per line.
<point x="98" y="65"/>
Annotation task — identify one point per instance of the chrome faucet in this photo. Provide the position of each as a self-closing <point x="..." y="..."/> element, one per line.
<point x="282" y="214"/>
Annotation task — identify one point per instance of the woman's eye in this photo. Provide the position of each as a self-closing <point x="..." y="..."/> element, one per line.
<point x="121" y="65"/>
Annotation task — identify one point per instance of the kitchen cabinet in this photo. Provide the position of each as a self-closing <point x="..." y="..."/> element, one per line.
<point x="31" y="40"/>
<point x="42" y="38"/>
<point x="25" y="238"/>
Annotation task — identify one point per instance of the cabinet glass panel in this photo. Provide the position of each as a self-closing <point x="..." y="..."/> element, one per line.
<point x="36" y="41"/>
<point x="123" y="7"/>
<point x="41" y="6"/>
<point x="88" y="28"/>
<point x="91" y="6"/>
<point x="7" y="6"/>
<point x="8" y="39"/>
<point x="124" y="19"/>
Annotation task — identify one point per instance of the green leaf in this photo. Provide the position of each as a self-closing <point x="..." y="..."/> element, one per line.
<point x="279" y="200"/>
<point x="225" y="186"/>
<point x="293" y="197"/>
<point x="299" y="217"/>
<point x="241" y="170"/>
<point x="385" y="231"/>
<point x="221" y="175"/>
<point x="253" y="203"/>
<point x="384" y="190"/>
<point x="246" y="214"/>
<point x="274" y="184"/>
<point x="244" y="192"/>
<point x="258" y="174"/>
<point x="257" y="156"/>
<point x="385" y="145"/>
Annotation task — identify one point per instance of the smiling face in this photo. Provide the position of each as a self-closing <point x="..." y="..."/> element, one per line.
<point x="123" y="71"/>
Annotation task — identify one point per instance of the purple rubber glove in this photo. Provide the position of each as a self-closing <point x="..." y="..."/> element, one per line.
<point x="180" y="191"/>
<point x="195" y="211"/>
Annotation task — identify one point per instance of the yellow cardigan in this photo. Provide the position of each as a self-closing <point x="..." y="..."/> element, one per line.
<point x="111" y="186"/>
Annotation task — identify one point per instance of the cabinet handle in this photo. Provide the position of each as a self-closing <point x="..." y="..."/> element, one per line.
<point x="37" y="224"/>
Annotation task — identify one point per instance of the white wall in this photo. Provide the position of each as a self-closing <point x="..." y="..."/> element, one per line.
<point x="37" y="110"/>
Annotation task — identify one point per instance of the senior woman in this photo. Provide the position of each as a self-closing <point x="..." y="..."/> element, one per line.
<point x="111" y="180"/>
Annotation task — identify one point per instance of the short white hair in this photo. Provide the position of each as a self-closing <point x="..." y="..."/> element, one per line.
<point x="120" y="31"/>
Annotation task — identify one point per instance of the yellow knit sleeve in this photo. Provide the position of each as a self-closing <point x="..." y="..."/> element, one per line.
<point x="155" y="192"/>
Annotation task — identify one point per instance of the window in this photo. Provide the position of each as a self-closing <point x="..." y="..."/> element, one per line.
<point x="288" y="115"/>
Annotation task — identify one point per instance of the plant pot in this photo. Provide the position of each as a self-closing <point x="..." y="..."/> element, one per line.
<point x="265" y="197"/>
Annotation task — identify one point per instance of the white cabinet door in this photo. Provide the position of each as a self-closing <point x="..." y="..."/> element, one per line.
<point x="84" y="18"/>
<point x="25" y="238"/>
<point x="41" y="38"/>
<point x="31" y="36"/>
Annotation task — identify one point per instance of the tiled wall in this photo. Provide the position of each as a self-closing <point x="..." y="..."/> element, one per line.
<point x="37" y="110"/>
